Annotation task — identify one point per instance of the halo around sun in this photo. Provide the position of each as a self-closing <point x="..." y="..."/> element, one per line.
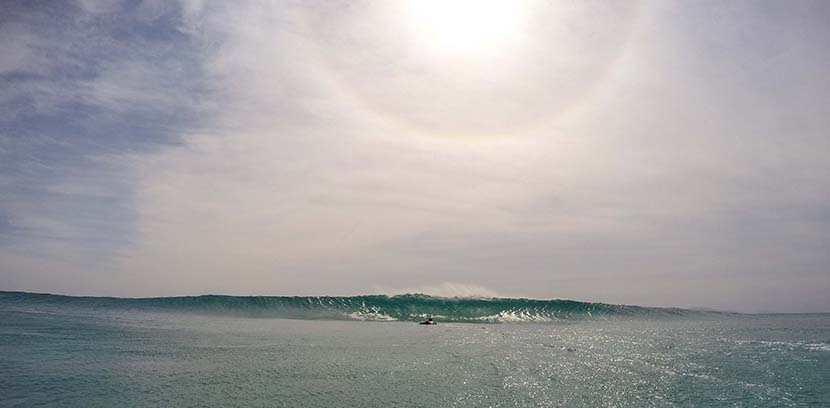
<point x="471" y="68"/>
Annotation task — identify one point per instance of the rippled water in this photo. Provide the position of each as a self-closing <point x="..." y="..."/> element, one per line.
<point x="86" y="358"/>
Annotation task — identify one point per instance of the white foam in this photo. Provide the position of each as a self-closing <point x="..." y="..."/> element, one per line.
<point x="372" y="314"/>
<point x="513" y="316"/>
<point x="445" y="289"/>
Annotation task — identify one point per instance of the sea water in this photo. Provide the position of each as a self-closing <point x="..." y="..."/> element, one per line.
<point x="102" y="352"/>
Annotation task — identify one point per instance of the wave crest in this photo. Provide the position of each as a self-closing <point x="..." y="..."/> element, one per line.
<point x="407" y="307"/>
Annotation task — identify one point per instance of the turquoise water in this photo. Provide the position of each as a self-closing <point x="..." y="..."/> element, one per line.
<point x="371" y="307"/>
<point x="91" y="352"/>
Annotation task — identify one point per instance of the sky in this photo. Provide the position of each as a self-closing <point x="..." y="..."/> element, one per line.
<point x="641" y="152"/>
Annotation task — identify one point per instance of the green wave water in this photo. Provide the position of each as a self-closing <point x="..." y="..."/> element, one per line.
<point x="410" y="307"/>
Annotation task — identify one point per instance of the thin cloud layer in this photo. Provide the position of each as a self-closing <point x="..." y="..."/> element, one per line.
<point x="646" y="153"/>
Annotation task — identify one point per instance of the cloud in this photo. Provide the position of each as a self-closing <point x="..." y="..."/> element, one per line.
<point x="77" y="98"/>
<point x="647" y="153"/>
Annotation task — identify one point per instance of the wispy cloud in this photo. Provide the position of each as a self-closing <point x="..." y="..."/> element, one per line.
<point x="653" y="153"/>
<point x="85" y="85"/>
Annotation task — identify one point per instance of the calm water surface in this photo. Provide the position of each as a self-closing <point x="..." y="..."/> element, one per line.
<point x="94" y="358"/>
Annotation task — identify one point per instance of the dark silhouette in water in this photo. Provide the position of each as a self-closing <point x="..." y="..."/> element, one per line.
<point x="429" y="322"/>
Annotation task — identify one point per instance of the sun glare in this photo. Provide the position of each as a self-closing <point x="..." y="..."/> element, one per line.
<point x="464" y="26"/>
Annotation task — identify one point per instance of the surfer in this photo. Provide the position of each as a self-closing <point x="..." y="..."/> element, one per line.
<point x="429" y="322"/>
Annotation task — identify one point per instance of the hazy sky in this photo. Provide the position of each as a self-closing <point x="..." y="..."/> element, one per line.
<point x="657" y="153"/>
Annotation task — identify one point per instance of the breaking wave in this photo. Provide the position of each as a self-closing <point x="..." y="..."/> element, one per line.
<point x="410" y="307"/>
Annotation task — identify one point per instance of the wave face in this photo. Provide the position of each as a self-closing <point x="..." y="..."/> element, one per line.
<point x="411" y="307"/>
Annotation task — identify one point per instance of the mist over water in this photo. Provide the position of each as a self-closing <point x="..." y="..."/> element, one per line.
<point x="67" y="351"/>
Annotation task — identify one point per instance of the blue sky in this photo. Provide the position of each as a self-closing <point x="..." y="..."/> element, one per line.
<point x="642" y="152"/>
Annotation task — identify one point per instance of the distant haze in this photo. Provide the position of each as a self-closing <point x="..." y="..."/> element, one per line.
<point x="653" y="153"/>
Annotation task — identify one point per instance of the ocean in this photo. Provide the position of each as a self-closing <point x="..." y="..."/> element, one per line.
<point x="368" y="351"/>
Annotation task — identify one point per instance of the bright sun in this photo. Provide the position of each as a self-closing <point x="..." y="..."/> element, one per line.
<point x="470" y="68"/>
<point x="462" y="27"/>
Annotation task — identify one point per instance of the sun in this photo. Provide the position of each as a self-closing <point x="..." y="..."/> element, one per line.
<point x="469" y="69"/>
<point x="464" y="27"/>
